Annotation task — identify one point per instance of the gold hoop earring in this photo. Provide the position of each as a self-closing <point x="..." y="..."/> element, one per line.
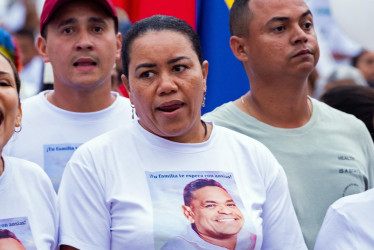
<point x="18" y="129"/>
<point x="132" y="110"/>
<point x="203" y="102"/>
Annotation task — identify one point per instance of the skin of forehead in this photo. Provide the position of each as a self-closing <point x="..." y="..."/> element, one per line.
<point x="60" y="14"/>
<point x="279" y="5"/>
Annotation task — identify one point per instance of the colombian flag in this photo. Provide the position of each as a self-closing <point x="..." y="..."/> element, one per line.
<point x="227" y="79"/>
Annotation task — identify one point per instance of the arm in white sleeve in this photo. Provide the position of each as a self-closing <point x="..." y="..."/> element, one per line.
<point x="85" y="218"/>
<point x="281" y="229"/>
<point x="335" y="233"/>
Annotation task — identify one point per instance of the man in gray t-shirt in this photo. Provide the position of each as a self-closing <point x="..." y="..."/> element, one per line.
<point x="326" y="153"/>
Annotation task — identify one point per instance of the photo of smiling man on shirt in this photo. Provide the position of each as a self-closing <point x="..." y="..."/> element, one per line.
<point x="216" y="221"/>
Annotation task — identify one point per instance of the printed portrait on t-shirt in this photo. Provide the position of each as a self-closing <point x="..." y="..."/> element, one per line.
<point x="55" y="158"/>
<point x="199" y="210"/>
<point x="15" y="234"/>
<point x="9" y="241"/>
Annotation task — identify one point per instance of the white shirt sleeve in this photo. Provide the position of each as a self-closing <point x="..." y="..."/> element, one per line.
<point x="85" y="219"/>
<point x="335" y="233"/>
<point x="46" y="209"/>
<point x="281" y="230"/>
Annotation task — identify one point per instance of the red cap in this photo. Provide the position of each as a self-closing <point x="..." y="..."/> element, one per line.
<point x="51" y="6"/>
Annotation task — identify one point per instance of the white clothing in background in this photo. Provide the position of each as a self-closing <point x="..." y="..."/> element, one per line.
<point x="349" y="224"/>
<point x="31" y="77"/>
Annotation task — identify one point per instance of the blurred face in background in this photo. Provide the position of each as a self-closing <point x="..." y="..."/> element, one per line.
<point x="365" y="64"/>
<point x="27" y="47"/>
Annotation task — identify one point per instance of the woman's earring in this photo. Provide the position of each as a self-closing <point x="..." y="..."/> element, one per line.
<point x="133" y="110"/>
<point x="18" y="129"/>
<point x="203" y="103"/>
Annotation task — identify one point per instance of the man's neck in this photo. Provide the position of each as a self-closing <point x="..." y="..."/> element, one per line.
<point x="81" y="101"/>
<point x="280" y="104"/>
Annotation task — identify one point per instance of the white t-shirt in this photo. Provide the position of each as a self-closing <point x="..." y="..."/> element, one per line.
<point x="124" y="189"/>
<point x="50" y="135"/>
<point x="28" y="204"/>
<point x="349" y="224"/>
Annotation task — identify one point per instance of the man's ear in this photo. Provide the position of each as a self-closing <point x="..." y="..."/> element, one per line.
<point x="41" y="45"/>
<point x="118" y="45"/>
<point x="188" y="213"/>
<point x="126" y="83"/>
<point x="238" y="48"/>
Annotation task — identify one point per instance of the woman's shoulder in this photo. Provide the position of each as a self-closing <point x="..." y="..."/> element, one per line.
<point x="356" y="202"/>
<point x="111" y="138"/>
<point x="249" y="148"/>
<point x="236" y="137"/>
<point x="24" y="167"/>
<point x="23" y="172"/>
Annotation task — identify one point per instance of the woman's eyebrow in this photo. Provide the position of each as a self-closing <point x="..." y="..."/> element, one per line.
<point x="145" y="65"/>
<point x="171" y="61"/>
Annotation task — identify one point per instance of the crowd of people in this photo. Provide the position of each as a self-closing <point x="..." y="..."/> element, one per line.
<point x="83" y="166"/>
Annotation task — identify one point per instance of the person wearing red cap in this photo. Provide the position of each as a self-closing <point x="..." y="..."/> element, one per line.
<point x="81" y="41"/>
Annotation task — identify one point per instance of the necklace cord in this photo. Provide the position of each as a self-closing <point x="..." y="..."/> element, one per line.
<point x="308" y="101"/>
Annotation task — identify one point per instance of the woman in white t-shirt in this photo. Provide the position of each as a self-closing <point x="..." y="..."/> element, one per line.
<point x="27" y="199"/>
<point x="124" y="189"/>
<point x="348" y="224"/>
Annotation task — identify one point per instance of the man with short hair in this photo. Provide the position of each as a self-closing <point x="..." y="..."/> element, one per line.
<point x="216" y="221"/>
<point x="326" y="154"/>
<point x="81" y="41"/>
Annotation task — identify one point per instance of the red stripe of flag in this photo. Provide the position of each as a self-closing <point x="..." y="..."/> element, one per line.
<point x="139" y="9"/>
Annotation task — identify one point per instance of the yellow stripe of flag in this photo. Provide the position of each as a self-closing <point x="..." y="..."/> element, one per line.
<point x="229" y="3"/>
